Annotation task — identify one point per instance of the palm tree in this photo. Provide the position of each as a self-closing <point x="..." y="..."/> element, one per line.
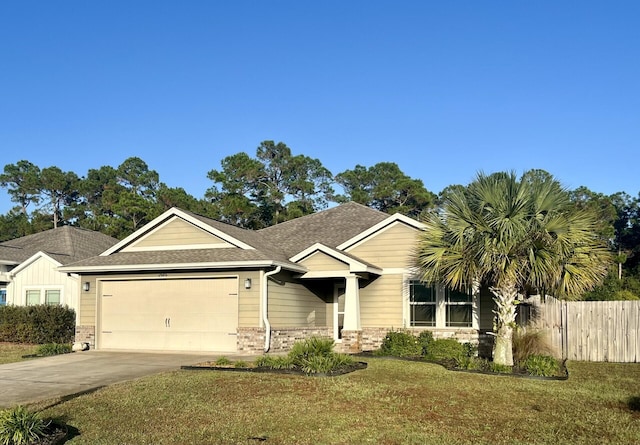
<point x="515" y="237"/>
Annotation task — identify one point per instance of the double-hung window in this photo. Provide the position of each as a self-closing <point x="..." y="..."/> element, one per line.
<point x="436" y="306"/>
<point x="50" y="297"/>
<point x="33" y="297"/>
<point x="422" y="303"/>
<point x="459" y="306"/>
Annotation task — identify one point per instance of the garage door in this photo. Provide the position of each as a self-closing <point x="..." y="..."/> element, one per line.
<point x="172" y="315"/>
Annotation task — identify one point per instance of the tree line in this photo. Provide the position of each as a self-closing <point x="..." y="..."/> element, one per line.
<point x="270" y="187"/>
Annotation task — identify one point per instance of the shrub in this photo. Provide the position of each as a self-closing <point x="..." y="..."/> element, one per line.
<point x="541" y="365"/>
<point x="402" y="344"/>
<point x="53" y="349"/>
<point x="312" y="346"/>
<point x="446" y="349"/>
<point x="503" y="369"/>
<point x="425" y="338"/>
<point x="311" y="356"/>
<point x="325" y="363"/>
<point x="223" y="361"/>
<point x="37" y="324"/>
<point x="274" y="362"/>
<point x="528" y="342"/>
<point x="19" y="426"/>
<point x="241" y="364"/>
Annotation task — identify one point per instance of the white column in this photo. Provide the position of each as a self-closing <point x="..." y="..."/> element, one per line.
<point x="351" y="304"/>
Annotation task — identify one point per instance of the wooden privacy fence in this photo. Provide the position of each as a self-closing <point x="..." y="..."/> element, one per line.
<point x="596" y="331"/>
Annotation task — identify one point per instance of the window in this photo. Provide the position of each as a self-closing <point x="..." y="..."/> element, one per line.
<point x="33" y="297"/>
<point x="459" y="308"/>
<point x="422" y="303"/>
<point x="52" y="297"/>
<point x="436" y="306"/>
<point x="3" y="297"/>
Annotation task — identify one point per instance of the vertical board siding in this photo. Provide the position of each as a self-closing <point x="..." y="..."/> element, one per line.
<point x="596" y="331"/>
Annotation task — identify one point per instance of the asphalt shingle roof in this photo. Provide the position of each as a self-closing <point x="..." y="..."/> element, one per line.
<point x="331" y="227"/>
<point x="278" y="243"/>
<point x="65" y="244"/>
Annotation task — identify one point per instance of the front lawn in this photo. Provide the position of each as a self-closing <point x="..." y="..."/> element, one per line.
<point x="391" y="402"/>
<point x="13" y="352"/>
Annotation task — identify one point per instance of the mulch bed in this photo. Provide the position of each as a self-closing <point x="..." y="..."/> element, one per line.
<point x="207" y="366"/>
<point x="517" y="372"/>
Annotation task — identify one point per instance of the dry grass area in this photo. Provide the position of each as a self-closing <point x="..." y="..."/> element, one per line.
<point x="13" y="352"/>
<point x="391" y="402"/>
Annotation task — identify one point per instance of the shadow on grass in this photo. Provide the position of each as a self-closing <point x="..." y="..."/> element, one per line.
<point x="634" y="403"/>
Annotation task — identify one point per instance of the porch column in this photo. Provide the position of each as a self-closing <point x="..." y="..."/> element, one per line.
<point x="351" y="304"/>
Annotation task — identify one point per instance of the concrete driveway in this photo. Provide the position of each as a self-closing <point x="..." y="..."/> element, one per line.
<point x="70" y="374"/>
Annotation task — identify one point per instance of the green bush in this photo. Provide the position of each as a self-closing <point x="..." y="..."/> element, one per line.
<point x="446" y="349"/>
<point x="311" y="356"/>
<point x="19" y="426"/>
<point x="502" y="369"/>
<point x="274" y="362"/>
<point x="312" y="346"/>
<point x="223" y="361"/>
<point x="541" y="365"/>
<point x="402" y="344"/>
<point x="424" y="339"/>
<point x="37" y="324"/>
<point x="53" y="349"/>
<point x="240" y="364"/>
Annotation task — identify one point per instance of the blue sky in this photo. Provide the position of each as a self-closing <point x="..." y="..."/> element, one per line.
<point x="444" y="89"/>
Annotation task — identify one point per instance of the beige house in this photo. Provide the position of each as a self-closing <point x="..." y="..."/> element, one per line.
<point x="29" y="272"/>
<point x="188" y="283"/>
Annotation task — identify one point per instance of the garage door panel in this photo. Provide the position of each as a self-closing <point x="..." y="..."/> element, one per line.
<point x="190" y="315"/>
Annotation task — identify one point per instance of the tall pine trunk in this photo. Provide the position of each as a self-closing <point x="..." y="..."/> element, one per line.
<point x="505" y="298"/>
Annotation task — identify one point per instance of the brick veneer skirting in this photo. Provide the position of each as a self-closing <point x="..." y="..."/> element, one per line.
<point x="86" y="334"/>
<point x="251" y="340"/>
<point x="372" y="337"/>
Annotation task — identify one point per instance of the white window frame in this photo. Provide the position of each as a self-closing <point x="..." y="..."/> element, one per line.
<point x="441" y="307"/>
<point x="42" y="290"/>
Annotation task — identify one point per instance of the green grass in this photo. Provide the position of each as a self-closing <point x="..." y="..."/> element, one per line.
<point x="13" y="352"/>
<point x="391" y="402"/>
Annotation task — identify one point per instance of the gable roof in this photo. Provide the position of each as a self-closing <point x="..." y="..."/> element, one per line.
<point x="330" y="228"/>
<point x="64" y="244"/>
<point x="276" y="245"/>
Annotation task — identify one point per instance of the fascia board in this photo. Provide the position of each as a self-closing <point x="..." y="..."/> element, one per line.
<point x="181" y="266"/>
<point x="395" y="218"/>
<point x="355" y="266"/>
<point x="32" y="259"/>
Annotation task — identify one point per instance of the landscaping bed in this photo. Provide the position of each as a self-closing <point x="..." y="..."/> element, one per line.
<point x="313" y="356"/>
<point x="212" y="366"/>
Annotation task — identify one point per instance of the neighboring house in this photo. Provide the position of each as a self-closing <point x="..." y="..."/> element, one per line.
<point x="28" y="265"/>
<point x="186" y="282"/>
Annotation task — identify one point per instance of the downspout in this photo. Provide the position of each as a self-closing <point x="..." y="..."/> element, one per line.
<point x="265" y="300"/>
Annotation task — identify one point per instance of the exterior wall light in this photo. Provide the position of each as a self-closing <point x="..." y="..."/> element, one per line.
<point x="247" y="283"/>
<point x="86" y="286"/>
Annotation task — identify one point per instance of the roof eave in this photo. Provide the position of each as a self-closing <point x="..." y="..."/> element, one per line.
<point x="182" y="266"/>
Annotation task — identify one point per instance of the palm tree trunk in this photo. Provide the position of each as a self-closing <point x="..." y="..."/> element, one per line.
<point x="505" y="298"/>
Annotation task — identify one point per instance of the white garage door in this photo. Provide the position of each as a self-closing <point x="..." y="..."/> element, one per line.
<point x="171" y="315"/>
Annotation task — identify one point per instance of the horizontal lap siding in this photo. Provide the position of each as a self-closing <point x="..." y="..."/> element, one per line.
<point x="391" y="248"/>
<point x="293" y="305"/>
<point x="178" y="233"/>
<point x="322" y="261"/>
<point x="381" y="302"/>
